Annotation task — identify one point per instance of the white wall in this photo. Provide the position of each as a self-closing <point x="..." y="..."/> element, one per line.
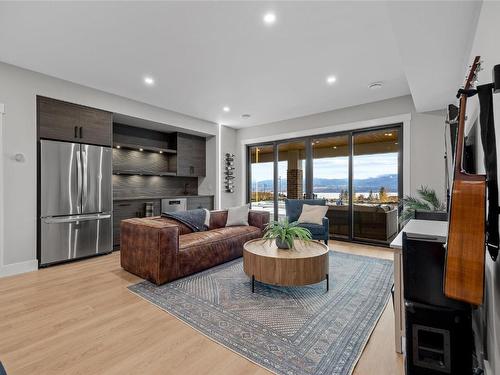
<point x="18" y="90"/>
<point x="487" y="46"/>
<point x="423" y="147"/>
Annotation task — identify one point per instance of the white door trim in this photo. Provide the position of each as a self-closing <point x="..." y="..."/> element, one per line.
<point x="2" y="112"/>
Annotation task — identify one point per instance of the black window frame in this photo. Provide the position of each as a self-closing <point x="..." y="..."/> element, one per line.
<point x="310" y="172"/>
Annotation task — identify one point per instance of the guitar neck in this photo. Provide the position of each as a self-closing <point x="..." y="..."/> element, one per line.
<point x="459" y="148"/>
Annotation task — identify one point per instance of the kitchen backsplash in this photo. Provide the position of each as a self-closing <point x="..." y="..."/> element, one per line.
<point x="126" y="186"/>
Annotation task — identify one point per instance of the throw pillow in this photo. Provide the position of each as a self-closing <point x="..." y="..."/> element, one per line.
<point x="312" y="214"/>
<point x="207" y="218"/>
<point x="237" y="216"/>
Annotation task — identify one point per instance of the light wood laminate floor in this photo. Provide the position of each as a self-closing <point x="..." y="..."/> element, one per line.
<point x="79" y="318"/>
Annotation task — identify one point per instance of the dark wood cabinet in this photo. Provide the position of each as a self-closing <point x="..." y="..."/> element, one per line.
<point x="191" y="155"/>
<point x="128" y="209"/>
<point x="57" y="120"/>
<point x="72" y="122"/>
<point x="96" y="126"/>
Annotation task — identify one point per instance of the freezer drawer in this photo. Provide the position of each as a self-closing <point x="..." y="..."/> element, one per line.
<point x="72" y="237"/>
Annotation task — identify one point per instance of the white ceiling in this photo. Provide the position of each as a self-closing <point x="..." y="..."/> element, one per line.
<point x="206" y="55"/>
<point x="434" y="41"/>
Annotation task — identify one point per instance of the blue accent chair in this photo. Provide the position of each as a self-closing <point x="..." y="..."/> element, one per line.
<point x="294" y="209"/>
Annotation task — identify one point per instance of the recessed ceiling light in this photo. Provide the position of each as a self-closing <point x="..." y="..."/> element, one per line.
<point x="334" y="147"/>
<point x="226" y="109"/>
<point x="149" y="81"/>
<point x="118" y="146"/>
<point x="269" y="18"/>
<point x="331" y="80"/>
<point x="375" y="85"/>
<point x="161" y="152"/>
<point x="141" y="149"/>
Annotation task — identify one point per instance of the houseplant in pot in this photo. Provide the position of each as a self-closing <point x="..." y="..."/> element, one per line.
<point x="427" y="200"/>
<point x="285" y="233"/>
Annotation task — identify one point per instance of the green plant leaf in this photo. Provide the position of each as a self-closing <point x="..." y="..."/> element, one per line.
<point x="429" y="195"/>
<point x="428" y="201"/>
<point x="286" y="232"/>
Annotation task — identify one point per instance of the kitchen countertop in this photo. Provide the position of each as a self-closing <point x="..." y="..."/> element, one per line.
<point x="141" y="198"/>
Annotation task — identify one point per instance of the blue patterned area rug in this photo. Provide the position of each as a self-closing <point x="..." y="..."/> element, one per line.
<point x="287" y="330"/>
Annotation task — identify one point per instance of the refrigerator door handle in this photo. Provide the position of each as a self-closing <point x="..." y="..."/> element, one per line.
<point x="79" y="180"/>
<point x="85" y="177"/>
<point x="75" y="218"/>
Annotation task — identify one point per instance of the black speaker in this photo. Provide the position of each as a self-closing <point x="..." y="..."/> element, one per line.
<point x="496" y="79"/>
<point x="423" y="272"/>
<point x="438" y="340"/>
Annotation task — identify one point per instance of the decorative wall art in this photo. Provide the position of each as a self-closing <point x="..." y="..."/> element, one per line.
<point x="229" y="173"/>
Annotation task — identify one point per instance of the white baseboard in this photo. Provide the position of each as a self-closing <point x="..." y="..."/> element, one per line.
<point x="17" y="268"/>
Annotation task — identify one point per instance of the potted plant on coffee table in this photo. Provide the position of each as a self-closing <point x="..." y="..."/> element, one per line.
<point x="285" y="233"/>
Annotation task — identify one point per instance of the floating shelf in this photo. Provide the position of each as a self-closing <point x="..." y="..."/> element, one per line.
<point x="144" y="173"/>
<point x="144" y="148"/>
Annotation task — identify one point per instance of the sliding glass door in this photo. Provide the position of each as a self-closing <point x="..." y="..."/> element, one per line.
<point x="291" y="173"/>
<point x="358" y="173"/>
<point x="261" y="177"/>
<point x="331" y="180"/>
<point x="375" y="184"/>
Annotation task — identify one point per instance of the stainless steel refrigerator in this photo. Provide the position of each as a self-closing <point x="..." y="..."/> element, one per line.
<point x="75" y="201"/>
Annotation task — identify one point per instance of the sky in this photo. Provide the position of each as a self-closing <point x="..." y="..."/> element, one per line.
<point x="364" y="166"/>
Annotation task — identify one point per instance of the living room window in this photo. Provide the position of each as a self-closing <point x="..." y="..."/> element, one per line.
<point x="331" y="180"/>
<point x="375" y="184"/>
<point x="359" y="173"/>
<point x="261" y="183"/>
<point x="291" y="173"/>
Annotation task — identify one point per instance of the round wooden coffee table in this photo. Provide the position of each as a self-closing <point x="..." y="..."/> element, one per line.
<point x="306" y="263"/>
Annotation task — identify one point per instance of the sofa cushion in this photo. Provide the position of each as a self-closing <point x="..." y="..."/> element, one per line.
<point x="215" y="235"/>
<point x="315" y="229"/>
<point x="160" y="221"/>
<point x="201" y="250"/>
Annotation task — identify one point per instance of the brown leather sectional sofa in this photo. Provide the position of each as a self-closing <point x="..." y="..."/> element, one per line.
<point x="161" y="250"/>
